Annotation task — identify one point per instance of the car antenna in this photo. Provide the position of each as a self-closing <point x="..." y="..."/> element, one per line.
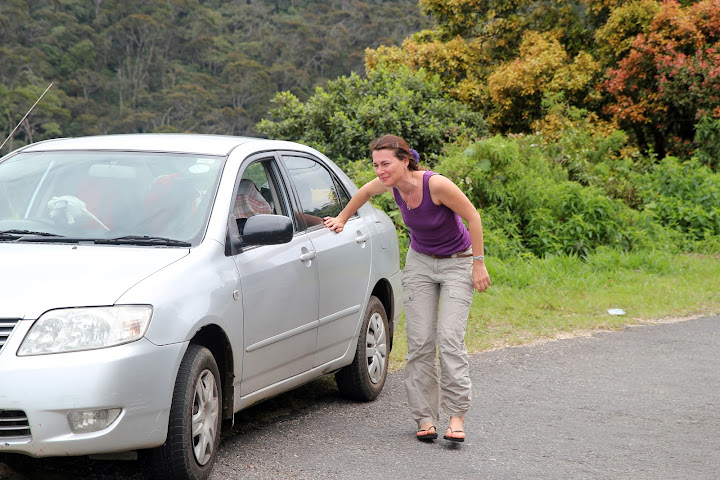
<point x="28" y="113"/>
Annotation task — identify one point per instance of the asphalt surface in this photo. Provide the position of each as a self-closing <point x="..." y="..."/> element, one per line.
<point x="642" y="403"/>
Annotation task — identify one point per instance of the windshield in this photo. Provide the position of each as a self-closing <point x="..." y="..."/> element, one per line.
<point x="106" y="195"/>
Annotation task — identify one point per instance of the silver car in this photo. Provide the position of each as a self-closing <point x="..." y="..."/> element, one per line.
<point x="153" y="285"/>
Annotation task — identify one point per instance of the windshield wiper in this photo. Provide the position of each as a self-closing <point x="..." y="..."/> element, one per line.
<point x="142" y="240"/>
<point x="14" y="232"/>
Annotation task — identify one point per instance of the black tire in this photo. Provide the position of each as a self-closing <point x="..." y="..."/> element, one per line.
<point x="185" y="456"/>
<point x="365" y="377"/>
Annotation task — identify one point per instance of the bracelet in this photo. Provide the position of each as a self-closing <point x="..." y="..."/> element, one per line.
<point x="480" y="257"/>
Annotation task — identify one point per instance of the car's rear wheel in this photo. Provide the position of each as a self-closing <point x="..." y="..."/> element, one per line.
<point x="365" y="377"/>
<point x="194" y="427"/>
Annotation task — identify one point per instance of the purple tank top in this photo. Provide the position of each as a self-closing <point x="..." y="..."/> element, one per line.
<point x="434" y="229"/>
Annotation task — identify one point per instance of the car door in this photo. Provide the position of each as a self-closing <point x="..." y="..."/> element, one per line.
<point x="343" y="258"/>
<point x="279" y="286"/>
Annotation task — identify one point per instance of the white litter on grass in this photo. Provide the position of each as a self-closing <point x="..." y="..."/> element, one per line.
<point x="616" y="311"/>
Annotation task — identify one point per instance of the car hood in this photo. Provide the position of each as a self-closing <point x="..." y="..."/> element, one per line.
<point x="39" y="277"/>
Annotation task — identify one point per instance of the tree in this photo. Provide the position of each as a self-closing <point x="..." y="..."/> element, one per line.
<point x="542" y="68"/>
<point x="343" y="119"/>
<point x="474" y="39"/>
<point x="670" y="78"/>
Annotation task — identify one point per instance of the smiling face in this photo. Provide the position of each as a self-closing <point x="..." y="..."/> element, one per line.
<point x="388" y="168"/>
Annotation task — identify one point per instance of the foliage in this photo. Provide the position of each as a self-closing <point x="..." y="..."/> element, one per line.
<point x="669" y="78"/>
<point x="476" y="50"/>
<point x="707" y="141"/>
<point x="592" y="151"/>
<point x="157" y="65"/>
<point x="529" y="206"/>
<point x="616" y="37"/>
<point x="659" y="59"/>
<point x="344" y="118"/>
<point x="542" y="68"/>
<point x="684" y="196"/>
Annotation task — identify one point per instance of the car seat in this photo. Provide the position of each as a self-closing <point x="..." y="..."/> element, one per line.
<point x="249" y="202"/>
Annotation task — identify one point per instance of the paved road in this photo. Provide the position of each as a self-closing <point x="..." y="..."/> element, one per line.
<point x="643" y="403"/>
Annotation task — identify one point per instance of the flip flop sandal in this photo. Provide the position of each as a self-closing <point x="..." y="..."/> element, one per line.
<point x="427" y="435"/>
<point x="454" y="439"/>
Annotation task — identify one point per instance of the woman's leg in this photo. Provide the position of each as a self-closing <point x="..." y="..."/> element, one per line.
<point x="420" y="300"/>
<point x="455" y="300"/>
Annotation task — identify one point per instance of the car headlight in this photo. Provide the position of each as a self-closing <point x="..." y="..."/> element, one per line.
<point x="73" y="329"/>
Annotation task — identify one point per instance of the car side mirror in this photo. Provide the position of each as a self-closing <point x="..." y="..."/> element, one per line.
<point x="267" y="230"/>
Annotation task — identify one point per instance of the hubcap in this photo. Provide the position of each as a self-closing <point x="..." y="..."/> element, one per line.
<point x="204" y="417"/>
<point x="376" y="348"/>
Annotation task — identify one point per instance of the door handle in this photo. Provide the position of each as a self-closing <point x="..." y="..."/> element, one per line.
<point x="362" y="238"/>
<point x="308" y="256"/>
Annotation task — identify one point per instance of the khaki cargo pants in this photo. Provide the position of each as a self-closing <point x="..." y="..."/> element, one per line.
<point x="437" y="294"/>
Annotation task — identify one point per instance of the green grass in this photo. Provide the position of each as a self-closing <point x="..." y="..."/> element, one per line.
<point x="534" y="299"/>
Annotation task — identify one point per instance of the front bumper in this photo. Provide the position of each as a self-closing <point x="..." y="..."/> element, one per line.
<point x="138" y="378"/>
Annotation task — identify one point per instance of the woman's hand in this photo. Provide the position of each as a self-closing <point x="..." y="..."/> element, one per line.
<point x="334" y="224"/>
<point x="480" y="276"/>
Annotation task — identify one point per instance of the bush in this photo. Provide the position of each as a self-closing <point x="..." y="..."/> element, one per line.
<point x="707" y="141"/>
<point x="343" y="119"/>
<point x="530" y="206"/>
<point x="685" y="197"/>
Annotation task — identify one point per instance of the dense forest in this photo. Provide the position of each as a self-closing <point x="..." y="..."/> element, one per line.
<point x="122" y="66"/>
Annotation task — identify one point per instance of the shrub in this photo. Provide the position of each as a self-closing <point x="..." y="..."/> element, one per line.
<point x="707" y="141"/>
<point x="683" y="196"/>
<point x="530" y="206"/>
<point x="344" y="118"/>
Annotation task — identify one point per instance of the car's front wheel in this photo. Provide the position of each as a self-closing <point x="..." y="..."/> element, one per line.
<point x="194" y="427"/>
<point x="365" y="377"/>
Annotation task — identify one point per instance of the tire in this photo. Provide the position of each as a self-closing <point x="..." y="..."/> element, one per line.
<point x="196" y="407"/>
<point x="365" y="377"/>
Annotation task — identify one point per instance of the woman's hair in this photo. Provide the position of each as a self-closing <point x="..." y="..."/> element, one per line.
<point x="399" y="147"/>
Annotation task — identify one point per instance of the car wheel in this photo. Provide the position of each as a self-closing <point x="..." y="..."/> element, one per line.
<point x="194" y="427"/>
<point x="365" y="377"/>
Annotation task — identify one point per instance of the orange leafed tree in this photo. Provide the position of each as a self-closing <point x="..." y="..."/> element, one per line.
<point x="670" y="78"/>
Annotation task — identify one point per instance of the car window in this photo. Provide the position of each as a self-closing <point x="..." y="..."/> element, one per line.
<point x="316" y="188"/>
<point x="259" y="192"/>
<point x="248" y="199"/>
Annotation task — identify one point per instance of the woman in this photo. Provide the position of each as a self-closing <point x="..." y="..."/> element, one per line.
<point x="444" y="265"/>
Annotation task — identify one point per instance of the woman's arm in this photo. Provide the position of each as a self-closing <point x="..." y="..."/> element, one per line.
<point x="445" y="192"/>
<point x="367" y="191"/>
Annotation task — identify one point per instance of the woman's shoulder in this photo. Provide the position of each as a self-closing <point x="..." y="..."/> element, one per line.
<point x="442" y="189"/>
<point x="436" y="179"/>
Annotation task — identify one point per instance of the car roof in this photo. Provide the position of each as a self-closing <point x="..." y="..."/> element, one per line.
<point x="159" y="142"/>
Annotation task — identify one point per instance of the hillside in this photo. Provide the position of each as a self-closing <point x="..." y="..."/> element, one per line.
<point x="178" y="65"/>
